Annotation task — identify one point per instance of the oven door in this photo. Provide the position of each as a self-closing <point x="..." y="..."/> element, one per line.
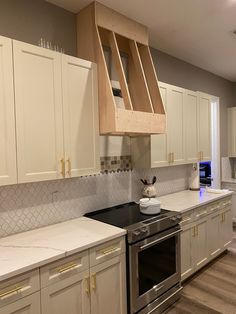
<point x="154" y="267"/>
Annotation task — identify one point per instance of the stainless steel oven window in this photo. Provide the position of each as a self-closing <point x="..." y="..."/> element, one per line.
<point x="154" y="267"/>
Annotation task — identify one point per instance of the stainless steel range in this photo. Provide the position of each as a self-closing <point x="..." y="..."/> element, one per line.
<point x="153" y="256"/>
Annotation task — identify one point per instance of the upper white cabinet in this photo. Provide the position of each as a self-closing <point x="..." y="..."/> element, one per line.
<point x="56" y="114"/>
<point x="188" y="134"/>
<point x="80" y="108"/>
<point x="232" y="132"/>
<point x="204" y="126"/>
<point x="175" y="115"/>
<point x="191" y="125"/>
<point x="8" y="173"/>
<point x="39" y="121"/>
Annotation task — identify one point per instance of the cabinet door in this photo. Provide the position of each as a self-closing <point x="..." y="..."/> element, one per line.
<point x="191" y="125"/>
<point x="71" y="295"/>
<point x="8" y="174"/>
<point x="175" y="108"/>
<point x="200" y="244"/>
<point x="204" y="125"/>
<point x="214" y="241"/>
<point x="159" y="148"/>
<point x="27" y="305"/>
<point x="186" y="251"/>
<point x="226" y="228"/>
<point x="80" y="106"/>
<point x="108" y="287"/>
<point x="232" y="132"/>
<point x="39" y="122"/>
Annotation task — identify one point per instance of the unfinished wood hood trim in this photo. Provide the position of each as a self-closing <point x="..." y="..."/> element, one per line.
<point x="143" y="113"/>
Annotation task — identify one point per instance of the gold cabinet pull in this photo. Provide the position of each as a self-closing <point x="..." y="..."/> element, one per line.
<point x="67" y="267"/>
<point x="16" y="289"/>
<point x="69" y="166"/>
<point x="169" y="157"/>
<point x="193" y="233"/>
<point x="63" y="167"/>
<point x="109" y="250"/>
<point x="196" y="230"/>
<point x="222" y="217"/>
<point x="87" y="285"/>
<point x="173" y="157"/>
<point x="93" y="281"/>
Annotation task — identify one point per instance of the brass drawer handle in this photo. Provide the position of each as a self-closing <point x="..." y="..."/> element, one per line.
<point x="169" y="158"/>
<point x="109" y="250"/>
<point x="16" y="289"/>
<point x="69" y="166"/>
<point x="87" y="285"/>
<point x="67" y="267"/>
<point x="194" y="232"/>
<point x="201" y="214"/>
<point x="94" y="281"/>
<point x="63" y="167"/>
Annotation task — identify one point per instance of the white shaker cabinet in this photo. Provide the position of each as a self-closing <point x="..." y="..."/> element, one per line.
<point x="56" y="114"/>
<point x="175" y="114"/>
<point x="204" y="126"/>
<point x="187" y="266"/>
<point x="27" y="305"/>
<point x="108" y="287"/>
<point x="232" y="132"/>
<point x="8" y="173"/>
<point x="70" y="295"/>
<point x="207" y="232"/>
<point x="200" y="243"/>
<point x="39" y="121"/>
<point x="191" y="125"/>
<point x="80" y="112"/>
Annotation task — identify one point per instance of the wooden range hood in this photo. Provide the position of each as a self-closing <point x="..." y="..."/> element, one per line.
<point x="100" y="28"/>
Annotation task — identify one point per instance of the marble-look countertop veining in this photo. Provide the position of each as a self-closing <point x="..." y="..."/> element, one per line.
<point x="28" y="250"/>
<point x="187" y="200"/>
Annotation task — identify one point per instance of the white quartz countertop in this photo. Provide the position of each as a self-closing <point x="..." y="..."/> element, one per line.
<point x="28" y="250"/>
<point x="187" y="200"/>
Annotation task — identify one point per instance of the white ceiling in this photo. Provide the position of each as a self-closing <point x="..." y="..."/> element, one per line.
<point x="197" y="31"/>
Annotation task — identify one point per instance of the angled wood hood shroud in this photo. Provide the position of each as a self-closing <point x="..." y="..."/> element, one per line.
<point x="144" y="113"/>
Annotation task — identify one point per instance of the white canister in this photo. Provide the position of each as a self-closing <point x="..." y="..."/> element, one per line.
<point x="149" y="206"/>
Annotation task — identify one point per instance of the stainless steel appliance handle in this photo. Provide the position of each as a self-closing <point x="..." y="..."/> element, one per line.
<point x="159" y="240"/>
<point x="169" y="297"/>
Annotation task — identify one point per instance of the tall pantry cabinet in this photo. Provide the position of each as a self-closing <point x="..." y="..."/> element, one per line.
<point x="8" y="174"/>
<point x="48" y="114"/>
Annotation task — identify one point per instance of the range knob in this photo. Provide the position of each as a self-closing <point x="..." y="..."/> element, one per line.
<point x="137" y="233"/>
<point x="144" y="230"/>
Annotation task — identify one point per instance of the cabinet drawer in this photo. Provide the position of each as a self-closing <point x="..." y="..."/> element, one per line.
<point x="213" y="207"/>
<point x="18" y="287"/>
<point x="105" y="251"/>
<point x="225" y="202"/>
<point x="186" y="218"/>
<point x="201" y="212"/>
<point x="64" y="268"/>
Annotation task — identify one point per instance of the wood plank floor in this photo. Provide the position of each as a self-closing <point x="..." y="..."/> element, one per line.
<point x="212" y="290"/>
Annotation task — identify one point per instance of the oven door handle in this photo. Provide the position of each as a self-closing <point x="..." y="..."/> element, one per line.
<point x="145" y="246"/>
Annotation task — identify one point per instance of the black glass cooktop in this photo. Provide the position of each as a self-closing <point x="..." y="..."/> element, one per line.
<point x="124" y="215"/>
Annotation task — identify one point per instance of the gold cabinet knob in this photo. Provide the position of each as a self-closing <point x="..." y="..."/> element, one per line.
<point x="69" y="167"/>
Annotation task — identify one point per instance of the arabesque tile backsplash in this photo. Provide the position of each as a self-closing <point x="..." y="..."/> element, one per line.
<point x="32" y="205"/>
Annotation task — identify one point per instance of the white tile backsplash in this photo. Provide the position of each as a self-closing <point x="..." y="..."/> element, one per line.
<point x="32" y="205"/>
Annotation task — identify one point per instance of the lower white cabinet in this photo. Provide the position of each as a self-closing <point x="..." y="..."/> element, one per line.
<point x="27" y="305"/>
<point x="70" y="295"/>
<point x="108" y="289"/>
<point x="202" y="239"/>
<point x="90" y="282"/>
<point x="200" y="243"/>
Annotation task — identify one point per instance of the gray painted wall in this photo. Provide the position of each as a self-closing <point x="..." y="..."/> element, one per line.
<point x="29" y="20"/>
